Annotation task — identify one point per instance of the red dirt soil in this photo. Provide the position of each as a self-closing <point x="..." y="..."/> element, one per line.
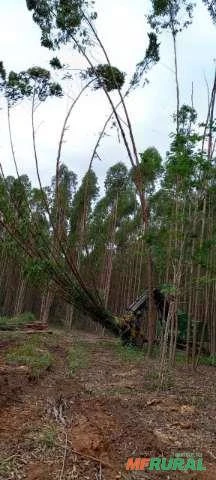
<point x="85" y="426"/>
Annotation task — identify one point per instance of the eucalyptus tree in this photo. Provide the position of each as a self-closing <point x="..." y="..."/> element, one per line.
<point x="36" y="84"/>
<point x="150" y="170"/>
<point x="60" y="207"/>
<point x="106" y="221"/>
<point x="180" y="175"/>
<point x="172" y="15"/>
<point x="72" y="22"/>
<point x="120" y="200"/>
<point x="81" y="209"/>
<point x="14" y="194"/>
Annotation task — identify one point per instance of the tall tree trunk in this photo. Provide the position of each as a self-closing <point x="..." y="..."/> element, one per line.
<point x="110" y="253"/>
<point x="69" y="316"/>
<point x="46" y="303"/>
<point x="20" y="296"/>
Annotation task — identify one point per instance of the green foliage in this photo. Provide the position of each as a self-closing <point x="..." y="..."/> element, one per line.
<point x="47" y="437"/>
<point x="60" y="20"/>
<point x="14" y="323"/>
<point x="38" y="73"/>
<point x="78" y="358"/>
<point x="151" y="58"/>
<point x="36" y="271"/>
<point x="160" y="6"/>
<point x="182" y="326"/>
<point x="32" y="356"/>
<point x="184" y="161"/>
<point x="17" y="87"/>
<point x="82" y="204"/>
<point x="211" y="6"/>
<point x="31" y="4"/>
<point x="2" y="71"/>
<point x="35" y="82"/>
<point x="68" y="15"/>
<point x="208" y="360"/>
<point x="67" y="184"/>
<point x="173" y="14"/>
<point x="116" y="180"/>
<point x="127" y="354"/>
<point x="56" y="64"/>
<point x="7" y="466"/>
<point x="42" y="85"/>
<point x="106" y="76"/>
<point x="151" y="166"/>
<point x="187" y="117"/>
<point x="119" y="202"/>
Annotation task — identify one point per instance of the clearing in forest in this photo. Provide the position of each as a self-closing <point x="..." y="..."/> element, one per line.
<point x="76" y="406"/>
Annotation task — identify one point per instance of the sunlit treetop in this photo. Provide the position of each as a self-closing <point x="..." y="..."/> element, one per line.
<point x="61" y="20"/>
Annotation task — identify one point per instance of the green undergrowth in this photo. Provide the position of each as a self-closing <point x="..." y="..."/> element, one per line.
<point x="13" y="323"/>
<point x="129" y="353"/>
<point x="78" y="357"/>
<point x="125" y="353"/>
<point x="6" y="465"/>
<point x="10" y="336"/>
<point x="204" y="359"/>
<point x="47" y="437"/>
<point x="209" y="361"/>
<point x="134" y="354"/>
<point x="32" y="355"/>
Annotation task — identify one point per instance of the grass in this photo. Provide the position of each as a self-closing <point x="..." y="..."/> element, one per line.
<point x="78" y="358"/>
<point x="32" y="356"/>
<point x="13" y="323"/>
<point x="180" y="358"/>
<point x="6" y="464"/>
<point x="134" y="354"/>
<point x="125" y="353"/>
<point x="209" y="361"/>
<point x="47" y="437"/>
<point x="204" y="359"/>
<point x="12" y="335"/>
<point x="129" y="353"/>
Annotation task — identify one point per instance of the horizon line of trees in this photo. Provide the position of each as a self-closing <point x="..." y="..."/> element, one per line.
<point x="105" y="239"/>
<point x="155" y="224"/>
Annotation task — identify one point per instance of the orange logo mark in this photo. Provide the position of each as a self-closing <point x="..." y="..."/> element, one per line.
<point x="137" y="463"/>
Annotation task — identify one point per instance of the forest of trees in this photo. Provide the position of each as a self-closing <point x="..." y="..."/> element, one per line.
<point x="68" y="247"/>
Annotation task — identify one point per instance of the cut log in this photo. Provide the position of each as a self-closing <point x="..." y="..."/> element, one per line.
<point x="36" y="326"/>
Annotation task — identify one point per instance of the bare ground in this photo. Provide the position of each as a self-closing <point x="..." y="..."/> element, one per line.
<point x="84" y="425"/>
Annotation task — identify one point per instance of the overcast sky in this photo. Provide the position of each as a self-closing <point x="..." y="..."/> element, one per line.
<point x="123" y="28"/>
